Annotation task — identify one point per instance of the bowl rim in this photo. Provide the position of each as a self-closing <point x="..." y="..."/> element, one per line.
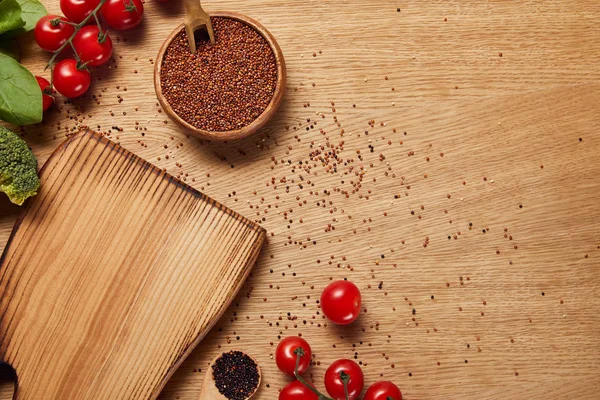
<point x="263" y="118"/>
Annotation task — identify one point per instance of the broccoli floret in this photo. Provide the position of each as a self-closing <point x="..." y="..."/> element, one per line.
<point x="18" y="168"/>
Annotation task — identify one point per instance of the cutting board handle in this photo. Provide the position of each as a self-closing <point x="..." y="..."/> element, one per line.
<point x="8" y="373"/>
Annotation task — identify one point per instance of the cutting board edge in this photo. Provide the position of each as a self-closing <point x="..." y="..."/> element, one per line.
<point x="102" y="139"/>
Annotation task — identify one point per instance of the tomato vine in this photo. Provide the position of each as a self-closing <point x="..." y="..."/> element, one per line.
<point x="343" y="376"/>
<point x="77" y="27"/>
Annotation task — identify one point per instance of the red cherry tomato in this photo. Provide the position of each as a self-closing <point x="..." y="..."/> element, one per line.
<point x="122" y="14"/>
<point x="94" y="47"/>
<point x="50" y="33"/>
<point x="69" y="80"/>
<point x="295" y="390"/>
<point x="340" y="302"/>
<point x="286" y="358"/>
<point x="384" y="390"/>
<point x="47" y="98"/>
<point x="78" y="10"/>
<point x="335" y="385"/>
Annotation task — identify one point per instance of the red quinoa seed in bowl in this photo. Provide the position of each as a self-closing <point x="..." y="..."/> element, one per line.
<point x="223" y="87"/>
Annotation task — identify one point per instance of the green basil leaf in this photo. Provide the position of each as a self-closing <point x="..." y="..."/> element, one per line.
<point x="11" y="48"/>
<point x="10" y="16"/>
<point x="31" y="12"/>
<point x="20" y="94"/>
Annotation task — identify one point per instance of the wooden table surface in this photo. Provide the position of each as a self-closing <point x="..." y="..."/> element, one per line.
<point x="455" y="180"/>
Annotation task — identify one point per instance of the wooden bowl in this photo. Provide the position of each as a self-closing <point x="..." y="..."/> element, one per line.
<point x="209" y="390"/>
<point x="258" y="122"/>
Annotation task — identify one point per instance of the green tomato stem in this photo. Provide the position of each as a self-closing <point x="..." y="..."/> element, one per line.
<point x="130" y="7"/>
<point x="102" y="34"/>
<point x="299" y="353"/>
<point x="73" y="48"/>
<point x="98" y="22"/>
<point x="345" y="378"/>
<point x="60" y="21"/>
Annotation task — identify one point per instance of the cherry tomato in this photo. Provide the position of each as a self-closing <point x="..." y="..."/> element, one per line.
<point x="69" y="80"/>
<point x="47" y="98"/>
<point x="384" y="390"/>
<point x="78" y="10"/>
<point x="122" y="14"/>
<point x="340" y="302"/>
<point x="50" y="33"/>
<point x="286" y="358"/>
<point x="335" y="385"/>
<point x="295" y="390"/>
<point x="94" y="47"/>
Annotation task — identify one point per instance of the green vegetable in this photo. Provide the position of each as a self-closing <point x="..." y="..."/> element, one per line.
<point x="18" y="168"/>
<point x="10" y="47"/>
<point x="20" y="94"/>
<point x="31" y="12"/>
<point x="10" y="16"/>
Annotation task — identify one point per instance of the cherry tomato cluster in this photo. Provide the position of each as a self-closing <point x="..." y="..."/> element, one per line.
<point x="344" y="379"/>
<point x="90" y="45"/>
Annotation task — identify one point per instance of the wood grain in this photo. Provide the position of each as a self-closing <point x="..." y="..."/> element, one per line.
<point x="112" y="275"/>
<point x="509" y="116"/>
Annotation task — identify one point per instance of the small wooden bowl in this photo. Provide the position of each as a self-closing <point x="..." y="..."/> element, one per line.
<point x="209" y="389"/>
<point x="258" y="122"/>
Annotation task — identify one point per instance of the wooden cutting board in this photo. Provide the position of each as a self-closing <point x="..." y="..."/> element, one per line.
<point x="113" y="274"/>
